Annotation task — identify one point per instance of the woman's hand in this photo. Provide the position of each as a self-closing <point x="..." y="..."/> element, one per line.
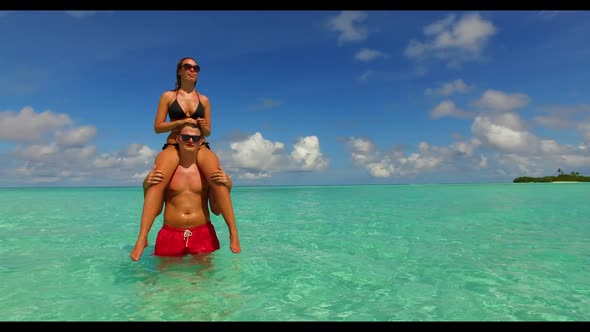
<point x="190" y="120"/>
<point x="201" y="122"/>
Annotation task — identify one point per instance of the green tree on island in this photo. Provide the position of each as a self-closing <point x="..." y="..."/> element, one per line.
<point x="562" y="176"/>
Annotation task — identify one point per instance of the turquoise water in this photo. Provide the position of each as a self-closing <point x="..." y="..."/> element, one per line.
<point x="509" y="252"/>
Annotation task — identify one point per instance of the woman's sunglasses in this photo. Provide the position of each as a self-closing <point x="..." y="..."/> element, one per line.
<point x="186" y="137"/>
<point x="188" y="66"/>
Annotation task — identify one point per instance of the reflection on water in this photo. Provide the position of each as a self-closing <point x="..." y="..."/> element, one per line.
<point x="198" y="263"/>
<point x="193" y="287"/>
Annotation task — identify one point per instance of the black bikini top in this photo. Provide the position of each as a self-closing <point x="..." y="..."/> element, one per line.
<point x="175" y="112"/>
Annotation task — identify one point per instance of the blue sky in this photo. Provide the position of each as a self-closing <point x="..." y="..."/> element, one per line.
<point x="299" y="97"/>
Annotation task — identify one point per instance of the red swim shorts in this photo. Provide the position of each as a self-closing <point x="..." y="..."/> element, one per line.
<point x="181" y="241"/>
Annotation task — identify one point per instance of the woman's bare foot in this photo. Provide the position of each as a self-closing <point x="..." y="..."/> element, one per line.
<point x="138" y="249"/>
<point x="234" y="244"/>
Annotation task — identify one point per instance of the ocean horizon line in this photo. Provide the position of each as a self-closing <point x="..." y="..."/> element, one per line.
<point x="273" y="185"/>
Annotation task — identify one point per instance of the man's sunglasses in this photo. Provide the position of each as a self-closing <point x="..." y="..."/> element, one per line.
<point x="186" y="137"/>
<point x="188" y="66"/>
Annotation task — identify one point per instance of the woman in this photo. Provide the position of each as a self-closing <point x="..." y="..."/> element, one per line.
<point x="184" y="105"/>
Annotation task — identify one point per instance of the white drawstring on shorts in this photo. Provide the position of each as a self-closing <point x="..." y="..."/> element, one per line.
<point x="187" y="234"/>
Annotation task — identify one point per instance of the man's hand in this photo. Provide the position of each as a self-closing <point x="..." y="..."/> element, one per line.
<point x="220" y="177"/>
<point x="154" y="177"/>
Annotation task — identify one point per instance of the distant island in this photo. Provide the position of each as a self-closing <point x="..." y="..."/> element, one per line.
<point x="561" y="177"/>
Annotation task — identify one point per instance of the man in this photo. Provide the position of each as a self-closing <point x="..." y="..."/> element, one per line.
<point x="187" y="228"/>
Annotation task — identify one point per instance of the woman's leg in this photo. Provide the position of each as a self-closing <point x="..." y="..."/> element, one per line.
<point x="208" y="162"/>
<point x="166" y="161"/>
